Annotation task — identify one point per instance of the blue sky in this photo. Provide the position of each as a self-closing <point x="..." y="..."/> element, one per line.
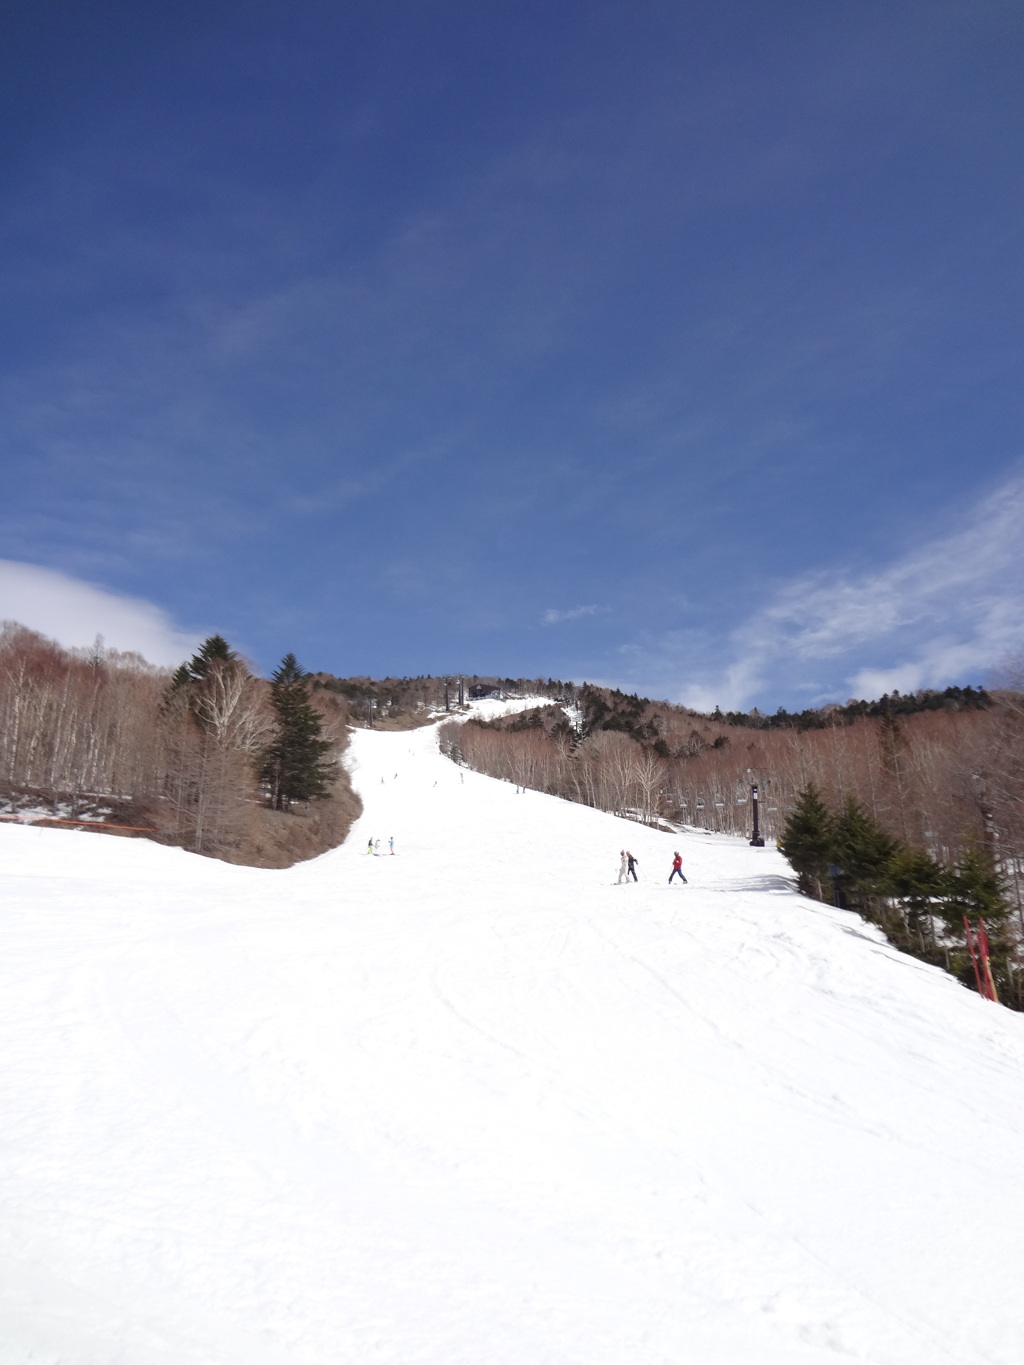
<point x="671" y="345"/>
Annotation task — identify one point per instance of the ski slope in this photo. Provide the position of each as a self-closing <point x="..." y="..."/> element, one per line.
<point x="474" y="1104"/>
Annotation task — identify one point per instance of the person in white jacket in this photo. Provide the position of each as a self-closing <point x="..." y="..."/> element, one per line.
<point x="623" y="866"/>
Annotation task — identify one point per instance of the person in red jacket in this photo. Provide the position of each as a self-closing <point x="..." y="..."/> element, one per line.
<point x="677" y="869"/>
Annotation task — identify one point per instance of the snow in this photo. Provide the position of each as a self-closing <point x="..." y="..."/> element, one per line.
<point x="27" y="811"/>
<point x="476" y="1103"/>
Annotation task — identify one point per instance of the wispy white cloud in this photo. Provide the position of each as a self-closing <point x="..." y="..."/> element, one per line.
<point x="945" y="611"/>
<point x="553" y="617"/>
<point x="75" y="613"/>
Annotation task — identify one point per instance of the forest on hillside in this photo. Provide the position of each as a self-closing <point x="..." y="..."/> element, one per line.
<point x="932" y="786"/>
<point x="209" y="757"/>
<point x="404" y="703"/>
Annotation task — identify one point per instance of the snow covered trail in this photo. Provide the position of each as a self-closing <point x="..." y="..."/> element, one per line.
<point x="475" y="1103"/>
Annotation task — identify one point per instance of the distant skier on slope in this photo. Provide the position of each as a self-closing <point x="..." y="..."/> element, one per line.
<point x="631" y="864"/>
<point x="376" y="848"/>
<point x="623" y="867"/>
<point x="677" y="869"/>
<point x="369" y="848"/>
<point x="391" y="845"/>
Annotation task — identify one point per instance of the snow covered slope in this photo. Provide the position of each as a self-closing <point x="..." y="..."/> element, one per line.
<point x="473" y="1104"/>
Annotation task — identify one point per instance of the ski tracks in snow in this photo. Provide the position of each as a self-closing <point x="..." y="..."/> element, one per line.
<point x="473" y="1103"/>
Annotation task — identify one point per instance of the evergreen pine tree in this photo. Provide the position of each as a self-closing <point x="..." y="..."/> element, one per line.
<point x="890" y="736"/>
<point x="978" y="885"/>
<point x="214" y="650"/>
<point x="920" y="886"/>
<point x="180" y="679"/>
<point x="979" y="893"/>
<point x="807" y="841"/>
<point x="861" y="849"/>
<point x="294" y="764"/>
<point x="208" y="714"/>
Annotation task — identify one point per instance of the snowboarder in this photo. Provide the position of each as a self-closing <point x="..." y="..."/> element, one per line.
<point x="623" y="867"/>
<point x="677" y="869"/>
<point x="631" y="864"/>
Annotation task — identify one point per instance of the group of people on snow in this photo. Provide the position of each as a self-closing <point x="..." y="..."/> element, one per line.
<point x="628" y="862"/>
<point x="628" y="865"/>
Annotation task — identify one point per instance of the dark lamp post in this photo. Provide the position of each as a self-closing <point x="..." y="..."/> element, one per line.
<point x="756" y="841"/>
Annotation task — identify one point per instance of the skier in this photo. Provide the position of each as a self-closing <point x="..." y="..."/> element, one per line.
<point x="631" y="863"/>
<point x="369" y="848"/>
<point x="391" y="845"/>
<point x="376" y="848"/>
<point x="623" y="867"/>
<point x="677" y="869"/>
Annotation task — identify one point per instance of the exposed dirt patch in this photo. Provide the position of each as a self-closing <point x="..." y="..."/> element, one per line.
<point x="281" y="838"/>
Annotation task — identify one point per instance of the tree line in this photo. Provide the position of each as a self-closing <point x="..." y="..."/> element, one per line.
<point x="199" y="756"/>
<point x="891" y="704"/>
<point x="403" y="703"/>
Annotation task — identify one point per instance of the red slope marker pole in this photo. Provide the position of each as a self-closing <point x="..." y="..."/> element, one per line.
<point x="987" y="962"/>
